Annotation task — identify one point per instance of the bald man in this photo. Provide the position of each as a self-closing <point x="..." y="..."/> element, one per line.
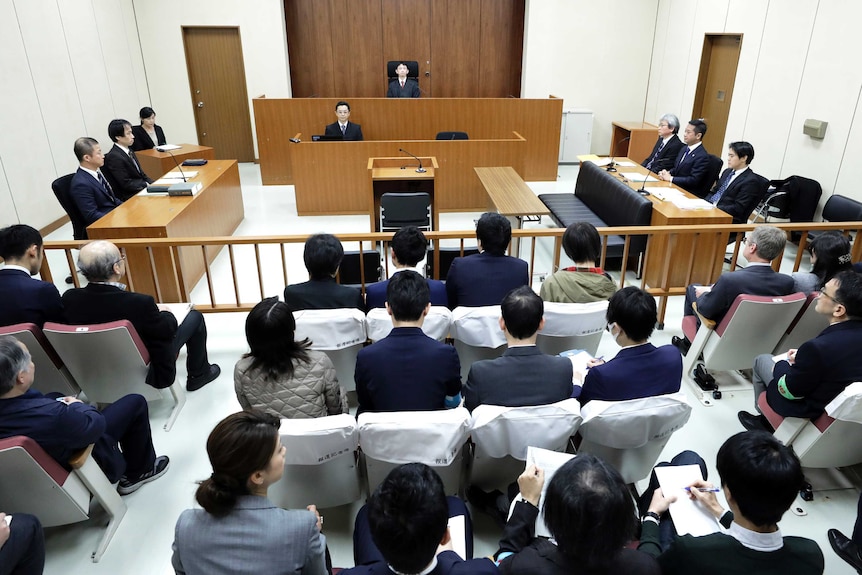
<point x="105" y="299"/>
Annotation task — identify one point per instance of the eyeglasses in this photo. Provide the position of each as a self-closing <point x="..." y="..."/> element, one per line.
<point x="118" y="261"/>
<point x="747" y="241"/>
<point x="833" y="298"/>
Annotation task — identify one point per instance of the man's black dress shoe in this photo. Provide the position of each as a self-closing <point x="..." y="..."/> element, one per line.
<point x="488" y="503"/>
<point x="198" y="381"/>
<point x="845" y="548"/>
<point x="681" y="343"/>
<point x="753" y="422"/>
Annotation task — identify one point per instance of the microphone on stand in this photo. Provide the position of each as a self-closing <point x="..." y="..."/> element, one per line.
<point x="180" y="168"/>
<point x="420" y="169"/>
<point x="611" y="167"/>
<point x="643" y="191"/>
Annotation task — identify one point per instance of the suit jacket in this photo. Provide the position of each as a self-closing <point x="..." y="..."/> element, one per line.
<point x="484" y="279"/>
<point x="143" y="140"/>
<point x="691" y="173"/>
<point x="741" y="196"/>
<point x="125" y="176"/>
<point x="353" y="132"/>
<point x="533" y="555"/>
<point x="667" y="158"/>
<point x="410" y="89"/>
<point x="24" y="299"/>
<point x="322" y="294"/>
<point x="448" y="563"/>
<point x="522" y="376"/>
<point x="824" y="366"/>
<point x="91" y="198"/>
<point x="635" y="372"/>
<point x="754" y="280"/>
<point x="375" y="294"/>
<point x="102" y="303"/>
<point x="406" y="371"/>
<point x="254" y="537"/>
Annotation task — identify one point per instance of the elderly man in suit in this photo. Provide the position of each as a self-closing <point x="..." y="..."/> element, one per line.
<point x="523" y="375"/>
<point x="739" y="189"/>
<point x="25" y="299"/>
<point x="485" y="278"/>
<point x="121" y="166"/>
<point x="691" y="168"/>
<point x="667" y="146"/>
<point x="105" y="299"/>
<point x="348" y="130"/>
<point x="89" y="189"/>
<point x="407" y="370"/>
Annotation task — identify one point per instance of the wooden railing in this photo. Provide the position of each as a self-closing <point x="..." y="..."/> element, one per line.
<point x="530" y="239"/>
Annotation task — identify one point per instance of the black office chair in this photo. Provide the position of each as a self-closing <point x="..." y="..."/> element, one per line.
<point x="401" y="209"/>
<point x="839" y="208"/>
<point x="412" y="70"/>
<point x="61" y="187"/>
<point x="349" y="272"/>
<point x="452" y="136"/>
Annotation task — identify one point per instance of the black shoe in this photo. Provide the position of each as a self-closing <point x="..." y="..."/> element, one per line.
<point x="753" y="422"/>
<point x="845" y="548"/>
<point x="160" y="466"/>
<point x="198" y="381"/>
<point x="69" y="280"/>
<point x="702" y="378"/>
<point x="681" y="343"/>
<point x="488" y="504"/>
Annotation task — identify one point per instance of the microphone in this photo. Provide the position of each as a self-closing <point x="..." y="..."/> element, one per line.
<point x="180" y="168"/>
<point x="420" y="169"/>
<point x="611" y="167"/>
<point x="643" y="191"/>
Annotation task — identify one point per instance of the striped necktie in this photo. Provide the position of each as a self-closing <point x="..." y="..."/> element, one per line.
<point x="655" y="156"/>
<point x="722" y="187"/>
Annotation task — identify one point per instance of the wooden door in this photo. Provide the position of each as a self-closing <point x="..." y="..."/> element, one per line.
<point x="218" y="89"/>
<point x="407" y="36"/>
<point x="715" y="81"/>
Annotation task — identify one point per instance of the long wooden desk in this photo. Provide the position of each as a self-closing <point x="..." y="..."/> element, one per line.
<point x="216" y="210"/>
<point x="155" y="164"/>
<point x="510" y="196"/>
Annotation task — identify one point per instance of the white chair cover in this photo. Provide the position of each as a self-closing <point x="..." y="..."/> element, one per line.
<point x="847" y="406"/>
<point x="330" y="329"/>
<point x="635" y="422"/>
<point x="568" y="319"/>
<point x="318" y="440"/>
<point x="430" y="437"/>
<point x="478" y="326"/>
<point x="436" y="325"/>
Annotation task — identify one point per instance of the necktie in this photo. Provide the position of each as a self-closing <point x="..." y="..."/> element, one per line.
<point x="135" y="161"/>
<point x="722" y="187"/>
<point x="106" y="186"/>
<point x="343" y="129"/>
<point x="402" y="84"/>
<point x="655" y="156"/>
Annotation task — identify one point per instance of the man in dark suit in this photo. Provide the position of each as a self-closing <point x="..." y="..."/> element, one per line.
<point x="639" y="369"/>
<point x="122" y="169"/>
<point x="403" y="87"/>
<point x="485" y="278"/>
<point x="24" y="299"/>
<point x="760" y="247"/>
<point x="739" y="189"/>
<point x="105" y="299"/>
<point x="63" y="426"/>
<point x="523" y="375"/>
<point x="322" y="256"/>
<point x="409" y="247"/>
<point x="812" y="376"/>
<point x="89" y="189"/>
<point x="667" y="146"/>
<point x="407" y="370"/>
<point x="691" y="168"/>
<point x="348" y="130"/>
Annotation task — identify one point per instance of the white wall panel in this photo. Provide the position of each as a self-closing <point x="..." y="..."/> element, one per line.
<point x="110" y="22"/>
<point x="8" y="214"/>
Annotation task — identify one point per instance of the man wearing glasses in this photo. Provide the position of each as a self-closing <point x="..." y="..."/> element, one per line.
<point x="812" y="376"/>
<point x="667" y="146"/>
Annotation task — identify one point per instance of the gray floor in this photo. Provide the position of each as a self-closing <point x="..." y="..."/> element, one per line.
<point x="142" y="543"/>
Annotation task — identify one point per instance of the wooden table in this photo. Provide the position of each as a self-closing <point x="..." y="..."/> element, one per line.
<point x="216" y="210"/>
<point x="510" y="196"/>
<point x="642" y="137"/>
<point x="400" y="175"/>
<point x="155" y="164"/>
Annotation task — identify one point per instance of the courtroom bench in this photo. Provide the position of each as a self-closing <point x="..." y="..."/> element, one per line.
<point x="604" y="201"/>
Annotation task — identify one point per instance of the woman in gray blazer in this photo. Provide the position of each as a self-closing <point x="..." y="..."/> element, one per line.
<point x="239" y="530"/>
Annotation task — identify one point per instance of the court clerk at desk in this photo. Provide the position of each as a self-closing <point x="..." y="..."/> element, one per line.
<point x="349" y="130"/>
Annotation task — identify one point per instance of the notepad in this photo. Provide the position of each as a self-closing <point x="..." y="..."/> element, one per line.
<point x="689" y="516"/>
<point x="167" y="147"/>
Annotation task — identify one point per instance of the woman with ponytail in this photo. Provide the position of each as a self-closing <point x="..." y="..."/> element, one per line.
<point x="239" y="530"/>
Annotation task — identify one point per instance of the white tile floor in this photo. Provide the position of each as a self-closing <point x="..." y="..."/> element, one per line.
<point x="142" y="543"/>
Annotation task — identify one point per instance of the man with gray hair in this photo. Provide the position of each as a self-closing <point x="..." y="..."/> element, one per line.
<point x="667" y="146"/>
<point x="65" y="425"/>
<point x="105" y="299"/>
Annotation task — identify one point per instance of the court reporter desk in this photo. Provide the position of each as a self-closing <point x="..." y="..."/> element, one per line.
<point x="216" y="210"/>
<point x="155" y="164"/>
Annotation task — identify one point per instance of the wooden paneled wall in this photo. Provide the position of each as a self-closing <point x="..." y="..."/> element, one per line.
<point x="465" y="48"/>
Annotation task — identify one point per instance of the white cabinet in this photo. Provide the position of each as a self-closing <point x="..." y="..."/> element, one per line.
<point x="576" y="134"/>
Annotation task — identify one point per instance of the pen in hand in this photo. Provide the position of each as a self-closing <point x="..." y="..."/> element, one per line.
<point x="704" y="489"/>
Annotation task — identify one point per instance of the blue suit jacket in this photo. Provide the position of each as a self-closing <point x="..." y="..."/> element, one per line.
<point x="522" y="376"/>
<point x="754" y="280"/>
<point x="635" y="372"/>
<point x="353" y="132"/>
<point x="375" y="294"/>
<point x="406" y="371"/>
<point x="691" y="173"/>
<point x="410" y="89"/>
<point x="24" y="299"/>
<point x="91" y="198"/>
<point x="824" y="366"/>
<point x="484" y="279"/>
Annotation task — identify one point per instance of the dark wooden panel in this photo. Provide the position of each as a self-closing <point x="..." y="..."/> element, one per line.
<point x="357" y="49"/>
<point x="309" y="47"/>
<point x="501" y="48"/>
<point x="455" y="48"/>
<point x="407" y="36"/>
